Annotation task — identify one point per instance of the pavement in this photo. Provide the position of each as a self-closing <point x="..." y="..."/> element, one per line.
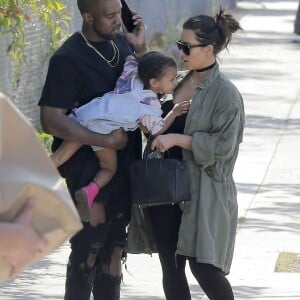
<point x="264" y="63"/>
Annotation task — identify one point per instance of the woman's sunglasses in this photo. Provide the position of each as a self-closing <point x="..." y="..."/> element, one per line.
<point x="186" y="48"/>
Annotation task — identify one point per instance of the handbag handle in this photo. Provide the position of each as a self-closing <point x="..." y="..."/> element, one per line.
<point x="148" y="151"/>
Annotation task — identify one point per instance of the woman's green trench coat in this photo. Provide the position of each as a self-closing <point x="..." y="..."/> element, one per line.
<point x="215" y="122"/>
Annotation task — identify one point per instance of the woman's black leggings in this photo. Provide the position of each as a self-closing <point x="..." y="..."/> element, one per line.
<point x="165" y="224"/>
<point x="212" y="281"/>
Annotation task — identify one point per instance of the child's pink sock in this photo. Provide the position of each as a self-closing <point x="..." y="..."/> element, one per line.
<point x="91" y="190"/>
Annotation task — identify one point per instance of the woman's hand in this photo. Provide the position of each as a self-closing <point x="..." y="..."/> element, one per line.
<point x="163" y="142"/>
<point x="167" y="141"/>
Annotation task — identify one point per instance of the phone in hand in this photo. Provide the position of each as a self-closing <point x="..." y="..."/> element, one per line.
<point x="127" y="17"/>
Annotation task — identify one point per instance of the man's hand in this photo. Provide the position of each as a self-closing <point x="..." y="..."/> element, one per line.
<point x="137" y="38"/>
<point x="117" y="139"/>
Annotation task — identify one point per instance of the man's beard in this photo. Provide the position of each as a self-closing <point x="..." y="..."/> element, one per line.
<point x="105" y="36"/>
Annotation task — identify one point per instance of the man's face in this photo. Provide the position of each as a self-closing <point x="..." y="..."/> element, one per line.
<point x="106" y="18"/>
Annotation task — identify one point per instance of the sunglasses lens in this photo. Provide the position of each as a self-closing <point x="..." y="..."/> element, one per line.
<point x="185" y="48"/>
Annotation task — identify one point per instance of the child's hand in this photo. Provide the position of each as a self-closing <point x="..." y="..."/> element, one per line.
<point x="181" y="108"/>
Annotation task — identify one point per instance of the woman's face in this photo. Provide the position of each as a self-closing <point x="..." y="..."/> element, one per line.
<point x="199" y="56"/>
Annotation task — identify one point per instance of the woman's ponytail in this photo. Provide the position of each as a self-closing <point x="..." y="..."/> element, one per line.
<point x="227" y="25"/>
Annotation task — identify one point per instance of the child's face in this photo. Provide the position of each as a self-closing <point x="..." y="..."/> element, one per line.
<point x="167" y="83"/>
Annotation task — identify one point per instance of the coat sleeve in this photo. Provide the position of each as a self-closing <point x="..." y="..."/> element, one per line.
<point x="219" y="144"/>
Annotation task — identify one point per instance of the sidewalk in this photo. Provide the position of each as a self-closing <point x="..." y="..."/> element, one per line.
<point x="264" y="63"/>
<point x="268" y="171"/>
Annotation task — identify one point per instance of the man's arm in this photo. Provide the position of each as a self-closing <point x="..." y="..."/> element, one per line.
<point x="137" y="38"/>
<point x="55" y="122"/>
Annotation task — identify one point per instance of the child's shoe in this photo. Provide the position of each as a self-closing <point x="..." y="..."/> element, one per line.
<point x="84" y="200"/>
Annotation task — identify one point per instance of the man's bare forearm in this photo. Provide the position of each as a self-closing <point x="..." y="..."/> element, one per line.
<point x="55" y="122"/>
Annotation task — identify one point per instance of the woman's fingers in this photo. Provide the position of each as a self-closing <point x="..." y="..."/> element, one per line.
<point x="154" y="144"/>
<point x="158" y="144"/>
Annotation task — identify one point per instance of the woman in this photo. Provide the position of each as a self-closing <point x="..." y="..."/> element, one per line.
<point x="210" y="142"/>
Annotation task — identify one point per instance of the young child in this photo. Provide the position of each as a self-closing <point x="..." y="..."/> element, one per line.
<point x="133" y="103"/>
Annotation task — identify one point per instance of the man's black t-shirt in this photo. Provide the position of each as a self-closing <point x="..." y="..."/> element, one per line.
<point x="77" y="74"/>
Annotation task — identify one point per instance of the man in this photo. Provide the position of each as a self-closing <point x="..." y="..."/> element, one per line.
<point x="87" y="65"/>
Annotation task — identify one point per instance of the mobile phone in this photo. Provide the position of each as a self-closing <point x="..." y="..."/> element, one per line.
<point x="127" y="17"/>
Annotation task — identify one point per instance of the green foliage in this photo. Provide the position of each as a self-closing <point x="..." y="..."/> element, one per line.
<point x="45" y="138"/>
<point x="15" y="14"/>
<point x="166" y="42"/>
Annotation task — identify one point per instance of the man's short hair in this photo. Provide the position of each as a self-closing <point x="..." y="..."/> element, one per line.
<point x="86" y="5"/>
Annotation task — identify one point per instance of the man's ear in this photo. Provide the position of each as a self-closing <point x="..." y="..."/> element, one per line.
<point x="88" y="18"/>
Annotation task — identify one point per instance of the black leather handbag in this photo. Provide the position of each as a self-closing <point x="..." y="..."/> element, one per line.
<point x="156" y="180"/>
